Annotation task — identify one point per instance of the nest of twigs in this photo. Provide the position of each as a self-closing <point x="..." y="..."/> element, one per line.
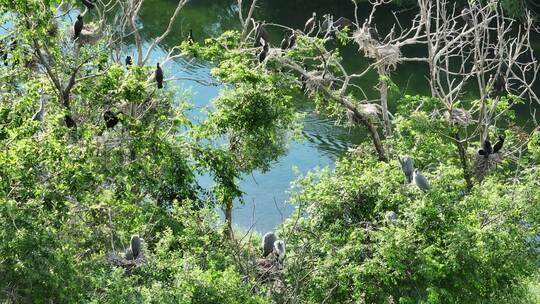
<point x="459" y="117"/>
<point x="388" y="55"/>
<point x="114" y="259"/>
<point x="270" y="271"/>
<point x="482" y="164"/>
<point x="318" y="80"/>
<point x="90" y="34"/>
<point x="366" y="109"/>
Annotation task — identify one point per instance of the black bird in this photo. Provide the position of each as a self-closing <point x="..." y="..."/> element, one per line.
<point x="373" y="33"/>
<point x="342" y="22"/>
<point x="292" y="39"/>
<point x="129" y="61"/>
<point x="70" y="123"/>
<point x="310" y="24"/>
<point x="111" y="119"/>
<point x="77" y="28"/>
<point x="499" y="84"/>
<point x="190" y="38"/>
<point x="159" y="76"/>
<point x="261" y="34"/>
<point x="88" y="3"/>
<point x="499" y="144"/>
<point x="285" y="42"/>
<point x="487" y="149"/>
<point x="264" y="51"/>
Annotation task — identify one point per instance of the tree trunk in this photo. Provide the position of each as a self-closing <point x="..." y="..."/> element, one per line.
<point x="464" y="163"/>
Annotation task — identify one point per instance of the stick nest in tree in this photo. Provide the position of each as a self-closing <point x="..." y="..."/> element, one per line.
<point x="387" y="55"/>
<point x="317" y="80"/>
<point x="459" y="117"/>
<point x="483" y="165"/>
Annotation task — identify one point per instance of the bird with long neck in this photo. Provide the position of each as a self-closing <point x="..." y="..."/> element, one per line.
<point x="310" y="24"/>
<point x="159" y="76"/>
<point x="40" y="114"/>
<point x="285" y="42"/>
<point x="78" y="27"/>
<point x="190" y="38"/>
<point x="129" y="61"/>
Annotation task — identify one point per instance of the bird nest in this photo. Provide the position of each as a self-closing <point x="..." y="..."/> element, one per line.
<point x="318" y="80"/>
<point x="482" y="165"/>
<point x="114" y="259"/>
<point x="89" y="34"/>
<point x="388" y="55"/>
<point x="459" y="117"/>
<point x="367" y="109"/>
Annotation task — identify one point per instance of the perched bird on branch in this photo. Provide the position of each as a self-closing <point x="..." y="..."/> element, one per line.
<point x="129" y="61"/>
<point x="373" y="33"/>
<point x="190" y="38"/>
<point x="70" y="123"/>
<point x="260" y="34"/>
<point x="133" y="251"/>
<point x="268" y="243"/>
<point x="310" y="24"/>
<point x="264" y="51"/>
<point x="421" y="181"/>
<point x="285" y="42"/>
<point x="88" y="3"/>
<point x="292" y="39"/>
<point x="407" y="166"/>
<point x="499" y="144"/>
<point x="159" y="76"/>
<point x="77" y="28"/>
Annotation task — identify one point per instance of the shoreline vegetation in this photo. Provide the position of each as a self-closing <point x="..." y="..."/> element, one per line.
<point x="99" y="200"/>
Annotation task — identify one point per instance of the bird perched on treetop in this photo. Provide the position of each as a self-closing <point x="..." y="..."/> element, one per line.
<point x="499" y="144"/>
<point x="77" y="28"/>
<point x="88" y="3"/>
<point x="159" y="76"/>
<point x="285" y="42"/>
<point x="310" y="24"/>
<point x="132" y="253"/>
<point x="407" y="166"/>
<point x="129" y="61"/>
<point x="190" y="38"/>
<point x="268" y="243"/>
<point x="264" y="51"/>
<point x="292" y="40"/>
<point x="421" y="181"/>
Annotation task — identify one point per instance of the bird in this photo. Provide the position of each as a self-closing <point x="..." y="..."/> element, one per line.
<point x="264" y="51"/>
<point x="342" y="22"/>
<point x="38" y="116"/>
<point x="279" y="249"/>
<point x="159" y="76"/>
<point x="310" y="24"/>
<point x="499" y="84"/>
<point x="129" y="61"/>
<point x="373" y="33"/>
<point x="499" y="144"/>
<point x="268" y="243"/>
<point x="70" y="123"/>
<point x="292" y="40"/>
<point x="190" y="38"/>
<point x="260" y="34"/>
<point x="285" y="42"/>
<point x="407" y="166"/>
<point x="466" y="16"/>
<point x="487" y="149"/>
<point x="111" y="119"/>
<point x="88" y="3"/>
<point x="391" y="217"/>
<point x="133" y="251"/>
<point x="77" y="28"/>
<point x="421" y="181"/>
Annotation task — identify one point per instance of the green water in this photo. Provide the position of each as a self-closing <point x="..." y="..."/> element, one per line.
<point x="266" y="194"/>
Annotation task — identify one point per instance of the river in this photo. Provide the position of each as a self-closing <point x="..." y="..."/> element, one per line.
<point x="266" y="194"/>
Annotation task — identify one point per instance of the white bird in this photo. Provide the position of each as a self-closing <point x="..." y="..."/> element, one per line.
<point x="279" y="249"/>
<point x="407" y="166"/>
<point x="421" y="181"/>
<point x="268" y="243"/>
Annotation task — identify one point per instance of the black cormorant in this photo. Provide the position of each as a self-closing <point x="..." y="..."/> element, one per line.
<point x="292" y="40"/>
<point x="111" y="119"/>
<point x="499" y="144"/>
<point x="88" y="3"/>
<point x="310" y="24"/>
<point x="190" y="38"/>
<point x="77" y="28"/>
<point x="159" y="76"/>
<point x="129" y="61"/>
<point x="70" y="123"/>
<point x="264" y="51"/>
<point x="285" y="42"/>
